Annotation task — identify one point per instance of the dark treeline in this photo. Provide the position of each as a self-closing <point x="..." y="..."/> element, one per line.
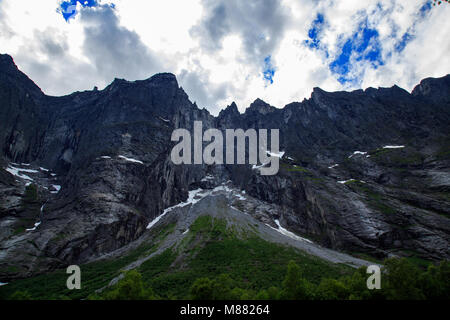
<point x="400" y="280"/>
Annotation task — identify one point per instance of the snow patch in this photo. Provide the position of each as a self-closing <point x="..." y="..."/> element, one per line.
<point x="35" y="226"/>
<point x="255" y="167"/>
<point x="350" y="180"/>
<point x="165" y="120"/>
<point x="221" y="188"/>
<point x="287" y="233"/>
<point x="194" y="197"/>
<point x="278" y="155"/>
<point x="357" y="152"/>
<point x="207" y="178"/>
<point x="333" y="166"/>
<point x="43" y="169"/>
<point x="131" y="160"/>
<point x="16" y="172"/>
<point x="345" y="181"/>
<point x="57" y="187"/>
<point x="393" y="147"/>
<point x="240" y="197"/>
<point x="105" y="157"/>
<point x="3" y="284"/>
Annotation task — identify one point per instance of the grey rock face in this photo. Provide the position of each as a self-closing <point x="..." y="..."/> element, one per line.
<point x="109" y="151"/>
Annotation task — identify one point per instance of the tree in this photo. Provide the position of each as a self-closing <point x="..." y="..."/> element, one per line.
<point x="223" y="286"/>
<point x="131" y="287"/>
<point x="332" y="289"/>
<point x="435" y="282"/>
<point x="21" y="295"/>
<point x="402" y="280"/>
<point x="294" y="286"/>
<point x="203" y="289"/>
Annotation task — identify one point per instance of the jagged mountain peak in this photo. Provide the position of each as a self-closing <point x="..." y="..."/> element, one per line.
<point x="260" y="106"/>
<point x="159" y="79"/>
<point x="7" y="62"/>
<point x="10" y="73"/>
<point x="231" y="109"/>
<point x="434" y="88"/>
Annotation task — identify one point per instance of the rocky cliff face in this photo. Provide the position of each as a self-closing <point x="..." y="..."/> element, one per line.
<point x="93" y="168"/>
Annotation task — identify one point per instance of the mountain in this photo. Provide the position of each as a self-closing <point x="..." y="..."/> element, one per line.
<point x="87" y="177"/>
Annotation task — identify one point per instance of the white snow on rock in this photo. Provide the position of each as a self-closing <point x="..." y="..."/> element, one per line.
<point x="3" y="283"/>
<point x="289" y="158"/>
<point x="278" y="155"/>
<point x="35" y="226"/>
<point x="357" y="152"/>
<point x="287" y="232"/>
<point x="221" y="188"/>
<point x="255" y="167"/>
<point x="57" y="187"/>
<point x="194" y="197"/>
<point x="105" y="157"/>
<point x="165" y="120"/>
<point x="53" y="174"/>
<point x="27" y="170"/>
<point x="207" y="178"/>
<point x="350" y="180"/>
<point x="43" y="169"/>
<point x="16" y="172"/>
<point x="333" y="166"/>
<point x="241" y="197"/>
<point x="131" y="160"/>
<point x="186" y="231"/>
<point x="393" y="147"/>
<point x="345" y="181"/>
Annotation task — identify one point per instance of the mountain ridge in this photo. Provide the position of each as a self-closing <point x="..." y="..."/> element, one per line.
<point x="110" y="153"/>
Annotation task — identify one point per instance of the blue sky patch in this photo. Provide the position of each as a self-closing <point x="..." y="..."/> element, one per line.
<point x="68" y="8"/>
<point x="399" y="46"/>
<point x="363" y="46"/>
<point x="269" y="70"/>
<point x="314" y="32"/>
<point x="424" y="9"/>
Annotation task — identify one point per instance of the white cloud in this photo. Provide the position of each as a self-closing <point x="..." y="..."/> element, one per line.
<point x="217" y="48"/>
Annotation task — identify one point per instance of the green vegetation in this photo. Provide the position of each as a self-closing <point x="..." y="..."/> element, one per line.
<point x="293" y="168"/>
<point x="401" y="280"/>
<point x="397" y="157"/>
<point x="94" y="275"/>
<point x="31" y="193"/>
<point x="213" y="249"/>
<point x="130" y="287"/>
<point x="215" y="262"/>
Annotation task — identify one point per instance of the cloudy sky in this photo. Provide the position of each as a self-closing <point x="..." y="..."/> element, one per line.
<point x="228" y="50"/>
